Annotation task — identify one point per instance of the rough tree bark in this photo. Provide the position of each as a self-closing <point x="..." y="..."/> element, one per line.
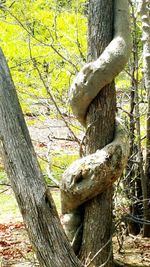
<point x="36" y="205"/>
<point x="98" y="211"/>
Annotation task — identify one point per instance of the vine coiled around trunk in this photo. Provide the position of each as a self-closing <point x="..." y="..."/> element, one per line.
<point x="93" y="174"/>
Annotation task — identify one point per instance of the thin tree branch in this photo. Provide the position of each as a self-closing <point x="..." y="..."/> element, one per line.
<point x="50" y="93"/>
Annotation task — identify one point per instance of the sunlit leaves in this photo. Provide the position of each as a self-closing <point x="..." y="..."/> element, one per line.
<point x="53" y="33"/>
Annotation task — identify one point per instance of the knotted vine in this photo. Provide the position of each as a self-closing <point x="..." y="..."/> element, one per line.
<point x="93" y="174"/>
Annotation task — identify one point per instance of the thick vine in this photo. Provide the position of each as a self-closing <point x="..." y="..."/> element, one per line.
<point x="93" y="174"/>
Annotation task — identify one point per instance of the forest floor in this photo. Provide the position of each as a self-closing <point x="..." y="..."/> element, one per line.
<point x="16" y="250"/>
<point x="15" y="247"/>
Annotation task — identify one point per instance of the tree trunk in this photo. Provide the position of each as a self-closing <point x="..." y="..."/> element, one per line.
<point x="145" y="12"/>
<point x="134" y="171"/>
<point x="36" y="205"/>
<point x="97" y="230"/>
<point x="93" y="102"/>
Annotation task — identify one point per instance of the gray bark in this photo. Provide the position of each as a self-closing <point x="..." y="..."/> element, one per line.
<point x="36" y="205"/>
<point x="97" y="229"/>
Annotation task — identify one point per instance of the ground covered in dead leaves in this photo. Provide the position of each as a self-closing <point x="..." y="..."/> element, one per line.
<point x="16" y="250"/>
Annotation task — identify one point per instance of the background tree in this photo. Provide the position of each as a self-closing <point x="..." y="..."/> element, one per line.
<point x="145" y="13"/>
<point x="137" y="167"/>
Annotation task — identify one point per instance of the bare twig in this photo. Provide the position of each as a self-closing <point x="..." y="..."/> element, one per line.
<point x="63" y="138"/>
<point x="98" y="252"/>
<point x="77" y="36"/>
<point x="1" y="192"/>
<point x="46" y="86"/>
<point x="3" y="184"/>
<point x="50" y="176"/>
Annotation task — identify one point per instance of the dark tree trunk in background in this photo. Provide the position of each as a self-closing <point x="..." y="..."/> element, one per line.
<point x="101" y="116"/>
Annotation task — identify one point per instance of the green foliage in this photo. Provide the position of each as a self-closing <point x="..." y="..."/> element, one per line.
<point x="8" y="206"/>
<point x="35" y="36"/>
<point x="122" y="81"/>
<point x="60" y="162"/>
<point x="3" y="176"/>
